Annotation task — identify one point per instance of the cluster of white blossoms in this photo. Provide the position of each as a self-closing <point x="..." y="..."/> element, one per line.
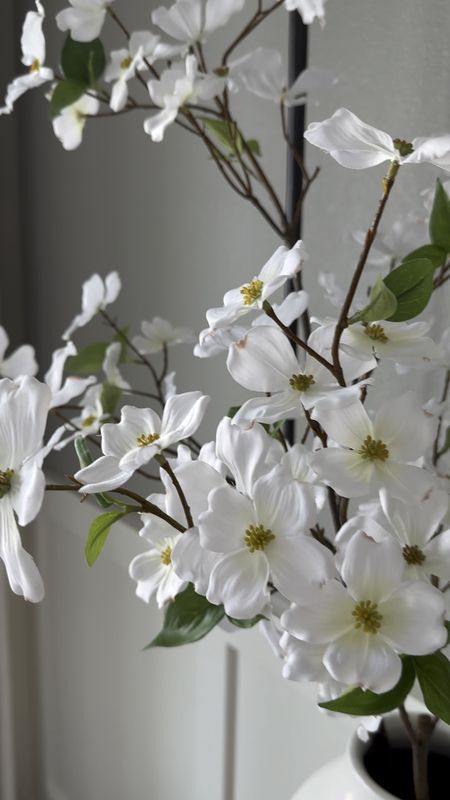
<point x="338" y="544"/>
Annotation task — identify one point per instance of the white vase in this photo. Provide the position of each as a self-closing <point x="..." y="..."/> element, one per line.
<point x="346" y="778"/>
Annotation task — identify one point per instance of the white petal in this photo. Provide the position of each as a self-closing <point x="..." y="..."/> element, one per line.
<point x="298" y="563"/>
<point x="182" y="415"/>
<point x="23" y="574"/>
<point x="413" y="619"/>
<point x="326" y="618"/>
<point x="372" y="570"/>
<point x="363" y="659"/>
<point x="192" y="562"/>
<point x="347" y="424"/>
<point x="263" y="361"/>
<point x="102" y="476"/>
<point x="248" y="454"/>
<point x="21" y="362"/>
<point x="240" y="580"/>
<point x="85" y="24"/>
<point x="344" y="470"/>
<point x="350" y="141"/>
<point x="404" y="427"/>
<point x="222" y="528"/>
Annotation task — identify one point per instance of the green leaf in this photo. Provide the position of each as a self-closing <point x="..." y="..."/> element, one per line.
<point x="440" y="219"/>
<point x="83" y="62"/>
<point x="89" y="359"/>
<point x="360" y="703"/>
<point x="382" y="304"/>
<point x="254" y="147"/>
<point x="226" y="134"/>
<point x="187" y="619"/>
<point x="85" y="458"/>
<point x="246" y="623"/>
<point x="433" y="673"/>
<point x="412" y="285"/>
<point x="232" y="411"/>
<point x="65" y="94"/>
<point x="430" y="251"/>
<point x="98" y="533"/>
<point x="110" y="397"/>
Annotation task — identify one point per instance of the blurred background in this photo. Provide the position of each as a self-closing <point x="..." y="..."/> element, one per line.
<point x="84" y="713"/>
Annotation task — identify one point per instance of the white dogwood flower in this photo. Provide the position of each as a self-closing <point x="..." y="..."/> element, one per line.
<point x="90" y="419"/>
<point x="125" y="62"/>
<point x="178" y="86"/>
<point x="191" y="21"/>
<point x="357" y="145"/>
<point x="375" y="454"/>
<point x="260" y="539"/>
<point x="309" y="10"/>
<point x="281" y="266"/>
<point x="377" y="616"/>
<point x="138" y="437"/>
<point x="96" y="295"/>
<point x="21" y="362"/>
<point x="69" y="124"/>
<point x="264" y="361"/>
<point x="405" y="343"/>
<point x="159" y="334"/>
<point x="33" y="57"/>
<point x="84" y="20"/>
<point x="153" y="570"/>
<point x="263" y="73"/>
<point x="23" y="415"/>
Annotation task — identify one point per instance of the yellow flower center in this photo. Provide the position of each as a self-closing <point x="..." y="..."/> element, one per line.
<point x="404" y="148"/>
<point x="166" y="556"/>
<point x="413" y="555"/>
<point x="147" y="438"/>
<point x="88" y="421"/>
<point x="126" y="62"/>
<point x="35" y="66"/>
<point x="376" y="332"/>
<point x="373" y="450"/>
<point x="301" y="383"/>
<point x="5" y="481"/>
<point x="257" y="537"/>
<point x="367" y="616"/>
<point x="252" y="291"/>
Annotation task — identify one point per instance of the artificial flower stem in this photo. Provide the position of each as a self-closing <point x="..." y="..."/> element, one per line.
<point x="268" y="309"/>
<point x="437" y="453"/>
<point x="342" y="322"/>
<point x="258" y="17"/>
<point x="164" y="464"/>
<point x="420" y="742"/>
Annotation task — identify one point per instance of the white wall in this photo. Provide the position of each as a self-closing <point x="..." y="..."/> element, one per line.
<point x="161" y="216"/>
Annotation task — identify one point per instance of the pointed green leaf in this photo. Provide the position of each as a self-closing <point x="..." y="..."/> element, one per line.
<point x="187" y="619"/>
<point x="85" y="458"/>
<point x="412" y="285"/>
<point x="98" y="534"/>
<point x="226" y="134"/>
<point x="430" y="251"/>
<point x="83" y="61"/>
<point x="433" y="673"/>
<point x="110" y="398"/>
<point x="382" y="304"/>
<point x="254" y="147"/>
<point x="360" y="703"/>
<point x="246" y="623"/>
<point x="65" y="94"/>
<point x="88" y="360"/>
<point x="440" y="219"/>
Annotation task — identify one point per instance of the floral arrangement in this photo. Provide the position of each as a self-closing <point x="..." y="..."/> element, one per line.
<point x="337" y="545"/>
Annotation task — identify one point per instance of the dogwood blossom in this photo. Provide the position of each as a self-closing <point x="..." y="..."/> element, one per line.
<point x="125" y="62"/>
<point x="69" y="124"/>
<point x="178" y="86"/>
<point x="357" y="145"/>
<point x="159" y="334"/>
<point x="138" y="437"/>
<point x="211" y="341"/>
<point x="21" y="362"/>
<point x="375" y="454"/>
<point x="264" y="361"/>
<point x="89" y="421"/>
<point x="263" y="73"/>
<point x="33" y="57"/>
<point x="23" y="415"/>
<point x="260" y="539"/>
<point x="377" y="616"/>
<point x="402" y="342"/>
<point x="110" y="366"/>
<point x="191" y="21"/>
<point x="96" y="295"/>
<point x="84" y="20"/>
<point x="282" y="265"/>
<point x="309" y="10"/>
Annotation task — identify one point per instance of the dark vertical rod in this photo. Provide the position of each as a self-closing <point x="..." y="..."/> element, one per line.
<point x="297" y="63"/>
